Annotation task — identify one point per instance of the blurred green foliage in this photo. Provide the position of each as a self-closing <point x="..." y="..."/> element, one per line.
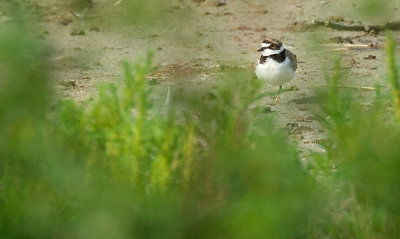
<point x="362" y="166"/>
<point x="115" y="167"/>
<point x="375" y="8"/>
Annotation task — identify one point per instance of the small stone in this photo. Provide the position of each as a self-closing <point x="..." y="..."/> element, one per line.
<point x="267" y="110"/>
<point x="153" y="81"/>
<point x="243" y="28"/>
<point x="260" y="29"/>
<point x="342" y="40"/>
<point x="373" y="44"/>
<point x="370" y="57"/>
<point x="221" y="3"/>
<point x="292" y="125"/>
<point x="68" y="83"/>
<point x="298" y="137"/>
<point x="159" y="48"/>
<point x="336" y="19"/>
<point x="76" y="32"/>
<point x="65" y="22"/>
<point x="372" y="33"/>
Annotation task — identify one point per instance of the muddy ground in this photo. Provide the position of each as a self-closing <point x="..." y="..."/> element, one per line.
<point x="190" y="53"/>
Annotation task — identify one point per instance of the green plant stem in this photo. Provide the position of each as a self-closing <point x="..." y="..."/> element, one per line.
<point x="393" y="73"/>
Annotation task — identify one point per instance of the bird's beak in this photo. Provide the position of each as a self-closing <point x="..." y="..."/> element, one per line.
<point x="261" y="49"/>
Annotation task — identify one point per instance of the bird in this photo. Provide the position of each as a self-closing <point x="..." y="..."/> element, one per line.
<point x="277" y="65"/>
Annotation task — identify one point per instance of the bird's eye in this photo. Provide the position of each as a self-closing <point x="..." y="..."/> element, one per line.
<point x="273" y="46"/>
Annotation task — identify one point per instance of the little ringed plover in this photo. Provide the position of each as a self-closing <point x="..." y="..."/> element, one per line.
<point x="277" y="65"/>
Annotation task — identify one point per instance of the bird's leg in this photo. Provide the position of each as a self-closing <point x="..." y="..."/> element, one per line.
<point x="277" y="96"/>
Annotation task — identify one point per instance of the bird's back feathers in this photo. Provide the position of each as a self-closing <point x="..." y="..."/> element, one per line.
<point x="293" y="59"/>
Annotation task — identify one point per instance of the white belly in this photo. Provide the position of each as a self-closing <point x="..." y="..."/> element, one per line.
<point x="275" y="73"/>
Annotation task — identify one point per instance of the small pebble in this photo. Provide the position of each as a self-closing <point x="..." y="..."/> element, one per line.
<point x="221" y="3"/>
<point x="76" y="32"/>
<point x="153" y="81"/>
<point x="68" y="83"/>
<point x="267" y="110"/>
<point x="369" y="57"/>
<point x="292" y="125"/>
<point x="65" y="22"/>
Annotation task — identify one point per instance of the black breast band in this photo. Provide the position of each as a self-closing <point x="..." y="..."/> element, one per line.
<point x="276" y="57"/>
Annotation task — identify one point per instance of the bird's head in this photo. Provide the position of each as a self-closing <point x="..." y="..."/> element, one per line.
<point x="271" y="46"/>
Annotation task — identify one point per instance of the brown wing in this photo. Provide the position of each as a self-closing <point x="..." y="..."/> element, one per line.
<point x="293" y="59"/>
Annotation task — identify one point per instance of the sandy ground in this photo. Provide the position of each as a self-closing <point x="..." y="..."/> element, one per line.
<point x="189" y="54"/>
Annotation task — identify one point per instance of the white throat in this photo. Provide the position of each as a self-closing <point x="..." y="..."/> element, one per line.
<point x="268" y="52"/>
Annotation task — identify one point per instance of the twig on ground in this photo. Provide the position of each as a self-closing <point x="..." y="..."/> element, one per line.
<point x="352" y="87"/>
<point x="59" y="58"/>
<point x="395" y="26"/>
<point x="349" y="45"/>
<point x="117" y="3"/>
